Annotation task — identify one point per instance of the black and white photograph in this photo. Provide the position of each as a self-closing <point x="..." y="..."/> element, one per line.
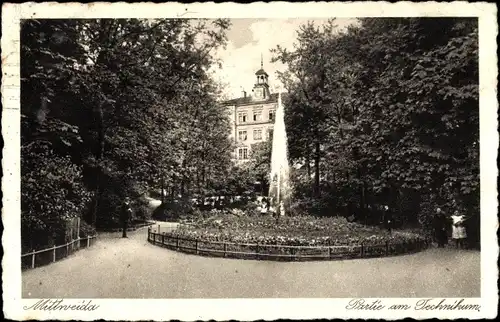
<point x="220" y="157"/>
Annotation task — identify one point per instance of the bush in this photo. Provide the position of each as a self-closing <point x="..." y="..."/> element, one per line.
<point x="142" y="209"/>
<point x="86" y="230"/>
<point x="108" y="211"/>
<point x="173" y="210"/>
<point x="312" y="206"/>
<point x="52" y="193"/>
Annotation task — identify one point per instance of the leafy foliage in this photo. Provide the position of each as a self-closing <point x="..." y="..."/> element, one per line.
<point x="47" y="208"/>
<point x="125" y="105"/>
<point x="387" y="113"/>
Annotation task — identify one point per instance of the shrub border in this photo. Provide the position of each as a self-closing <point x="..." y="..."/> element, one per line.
<point x="261" y="251"/>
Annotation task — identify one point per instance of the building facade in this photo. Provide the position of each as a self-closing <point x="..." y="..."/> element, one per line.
<point x="252" y="116"/>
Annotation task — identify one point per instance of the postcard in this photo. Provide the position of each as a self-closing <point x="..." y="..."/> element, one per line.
<point x="249" y="162"/>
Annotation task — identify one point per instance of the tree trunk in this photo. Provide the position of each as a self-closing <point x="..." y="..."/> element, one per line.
<point x="203" y="165"/>
<point x="198" y="181"/>
<point x="316" y="169"/>
<point x="172" y="191"/>
<point x="363" y="198"/>
<point x="162" y="189"/>
<point x="99" y="155"/>
<point x="308" y="165"/>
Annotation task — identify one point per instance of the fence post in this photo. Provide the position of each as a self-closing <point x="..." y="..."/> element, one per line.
<point x="33" y="259"/>
<point x="362" y="250"/>
<point x="67" y="249"/>
<point x="78" y="231"/>
<point x="177" y="243"/>
<point x="163" y="240"/>
<point x="386" y="248"/>
<point x="257" y="251"/>
<point x="71" y="234"/>
<point x="88" y="241"/>
<point x="196" y="246"/>
<point x="329" y="252"/>
<point x="158" y="229"/>
<point x="225" y="248"/>
<point x="54" y="254"/>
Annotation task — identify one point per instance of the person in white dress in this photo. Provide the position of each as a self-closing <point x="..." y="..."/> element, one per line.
<point x="282" y="208"/>
<point x="458" y="232"/>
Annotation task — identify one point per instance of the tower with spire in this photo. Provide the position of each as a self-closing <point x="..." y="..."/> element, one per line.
<point x="261" y="87"/>
<point x="252" y="117"/>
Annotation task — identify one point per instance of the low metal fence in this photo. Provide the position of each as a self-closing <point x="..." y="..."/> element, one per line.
<point x="282" y="252"/>
<point x="38" y="258"/>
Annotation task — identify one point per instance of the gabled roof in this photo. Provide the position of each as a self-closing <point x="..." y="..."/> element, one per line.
<point x="261" y="72"/>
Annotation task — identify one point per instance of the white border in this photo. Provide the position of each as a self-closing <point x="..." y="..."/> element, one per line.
<point x="252" y="309"/>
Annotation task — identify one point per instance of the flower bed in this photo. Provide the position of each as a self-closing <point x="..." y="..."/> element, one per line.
<point x="292" y="231"/>
<point x="282" y="252"/>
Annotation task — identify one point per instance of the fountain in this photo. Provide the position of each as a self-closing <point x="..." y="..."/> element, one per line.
<point x="280" y="188"/>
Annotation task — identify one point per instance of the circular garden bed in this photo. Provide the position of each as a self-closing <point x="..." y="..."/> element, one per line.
<point x="286" y="238"/>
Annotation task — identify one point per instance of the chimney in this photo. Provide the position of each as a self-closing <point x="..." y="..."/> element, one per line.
<point x="244" y="93"/>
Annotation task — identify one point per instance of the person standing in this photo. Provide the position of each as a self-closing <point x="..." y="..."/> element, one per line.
<point x="282" y="208"/>
<point x="126" y="215"/>
<point x="458" y="232"/>
<point x="440" y="228"/>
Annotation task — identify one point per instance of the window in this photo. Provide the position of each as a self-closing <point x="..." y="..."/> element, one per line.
<point x="243" y="153"/>
<point x="242" y="117"/>
<point x="257" y="116"/>
<point x="271" y="115"/>
<point x="257" y="134"/>
<point x="242" y="135"/>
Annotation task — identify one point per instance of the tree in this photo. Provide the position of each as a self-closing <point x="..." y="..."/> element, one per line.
<point x="315" y="105"/>
<point x="424" y="87"/>
<point x="132" y="56"/>
<point x="121" y="101"/>
<point x="260" y="164"/>
<point x="398" y="107"/>
<point x="51" y="147"/>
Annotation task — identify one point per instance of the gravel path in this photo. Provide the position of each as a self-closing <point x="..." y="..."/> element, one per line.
<point x="133" y="268"/>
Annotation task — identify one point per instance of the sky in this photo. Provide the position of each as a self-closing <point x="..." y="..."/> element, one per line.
<point x="248" y="39"/>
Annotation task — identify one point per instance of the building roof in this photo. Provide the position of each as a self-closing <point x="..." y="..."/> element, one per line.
<point x="248" y="100"/>
<point x="261" y="72"/>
